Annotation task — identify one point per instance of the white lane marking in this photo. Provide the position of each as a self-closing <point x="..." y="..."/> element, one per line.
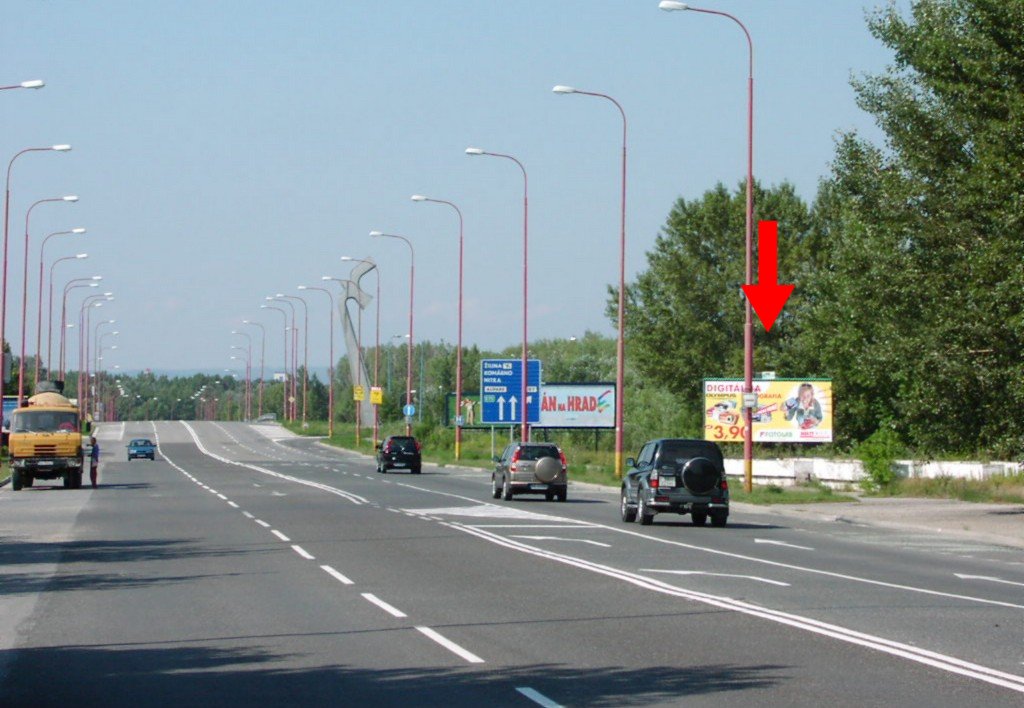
<point x="988" y="578"/>
<point x="213" y="491"/>
<point x="720" y="575"/>
<point x="246" y="513"/>
<point x="222" y="497"/>
<point x="922" y="656"/>
<point x="390" y="609"/>
<point x="782" y="543"/>
<point x="354" y="498"/>
<point x="280" y="535"/>
<point x="231" y="503"/>
<point x="538" y="698"/>
<point x="303" y="552"/>
<point x="262" y="523"/>
<point x="257" y="485"/>
<point x="336" y="575"/>
<point x="571" y="540"/>
<point x="450" y="645"/>
<point x="532" y="526"/>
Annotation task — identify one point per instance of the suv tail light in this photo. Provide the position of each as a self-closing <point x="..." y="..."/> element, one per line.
<point x="418" y="446"/>
<point x="724" y="485"/>
<point x="561" y="454"/>
<point x="653" y="480"/>
<point x="387" y="447"/>
<point x="515" y="458"/>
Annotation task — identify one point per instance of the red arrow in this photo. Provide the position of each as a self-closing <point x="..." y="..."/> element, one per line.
<point x="768" y="297"/>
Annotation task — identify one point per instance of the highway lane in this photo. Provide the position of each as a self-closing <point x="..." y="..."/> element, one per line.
<point x="226" y="594"/>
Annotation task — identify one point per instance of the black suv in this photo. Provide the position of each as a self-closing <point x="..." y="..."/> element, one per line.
<point x="399" y="452"/>
<point x="679" y="476"/>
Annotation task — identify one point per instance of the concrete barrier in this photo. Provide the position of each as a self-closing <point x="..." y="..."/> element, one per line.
<point x="841" y="473"/>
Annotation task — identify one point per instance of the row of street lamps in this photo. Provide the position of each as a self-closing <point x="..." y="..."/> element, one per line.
<point x="84" y="326"/>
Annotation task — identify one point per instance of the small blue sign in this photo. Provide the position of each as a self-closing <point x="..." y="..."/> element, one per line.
<point x="501" y="391"/>
<point x="408" y="409"/>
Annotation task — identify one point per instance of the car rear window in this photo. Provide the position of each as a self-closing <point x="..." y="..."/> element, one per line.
<point x="535" y="452"/>
<point x="404" y="444"/>
<point x="673" y="451"/>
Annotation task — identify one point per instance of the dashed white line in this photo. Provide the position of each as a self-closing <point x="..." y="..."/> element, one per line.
<point x="231" y="503"/>
<point x="303" y="552"/>
<point x="247" y="514"/>
<point x="390" y="609"/>
<point x="450" y="645"/>
<point x="782" y="543"/>
<point x="262" y="523"/>
<point x="538" y="698"/>
<point x="336" y="575"/>
<point x="280" y="535"/>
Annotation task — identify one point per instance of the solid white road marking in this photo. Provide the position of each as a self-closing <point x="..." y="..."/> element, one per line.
<point x="390" y="609"/>
<point x="262" y="523"/>
<point x="782" y="543"/>
<point x="450" y="645"/>
<point x="720" y="575"/>
<point x="944" y="662"/>
<point x="336" y="575"/>
<point x="538" y="698"/>
<point x="280" y="535"/>
<point x="988" y="578"/>
<point x="571" y="540"/>
<point x="303" y="552"/>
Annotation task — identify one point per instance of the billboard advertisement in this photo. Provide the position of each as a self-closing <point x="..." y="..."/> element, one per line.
<point x="577" y="406"/>
<point x="588" y="405"/>
<point x="788" y="410"/>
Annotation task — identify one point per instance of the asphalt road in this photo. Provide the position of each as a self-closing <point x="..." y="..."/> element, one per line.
<point x="241" y="570"/>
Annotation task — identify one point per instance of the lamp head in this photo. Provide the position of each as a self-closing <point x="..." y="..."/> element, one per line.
<point x="376" y="233"/>
<point x="71" y="198"/>
<point x="418" y="198"/>
<point x="326" y="277"/>
<point x="82" y="255"/>
<point x="78" y="231"/>
<point x="302" y="287"/>
<point x="474" y="151"/>
<point x="672" y="5"/>
<point x="34" y="83"/>
<point x="61" y="148"/>
<point x="563" y="89"/>
<point x="97" y="277"/>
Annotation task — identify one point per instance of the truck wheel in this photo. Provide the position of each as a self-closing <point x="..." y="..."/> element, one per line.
<point x="627" y="512"/>
<point x="699" y="517"/>
<point x="29" y="480"/>
<point x="718" y="519"/>
<point x="16" y="481"/>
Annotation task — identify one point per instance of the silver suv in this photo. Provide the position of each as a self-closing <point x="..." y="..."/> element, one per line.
<point x="530" y="468"/>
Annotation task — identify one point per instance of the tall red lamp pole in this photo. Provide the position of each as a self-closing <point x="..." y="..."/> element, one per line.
<point x="330" y="369"/>
<point x="39" y="309"/>
<point x="748" y="323"/>
<point x="458" y="356"/>
<point x="412" y="286"/>
<point x="524" y="400"/>
<point x="263" y="351"/>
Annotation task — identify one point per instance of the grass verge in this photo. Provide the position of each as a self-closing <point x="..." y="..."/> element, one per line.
<point x="998" y="489"/>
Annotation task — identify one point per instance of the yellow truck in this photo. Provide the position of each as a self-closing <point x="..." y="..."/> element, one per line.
<point x="45" y="441"/>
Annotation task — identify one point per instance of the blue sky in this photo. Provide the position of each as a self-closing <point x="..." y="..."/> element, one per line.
<point x="225" y="151"/>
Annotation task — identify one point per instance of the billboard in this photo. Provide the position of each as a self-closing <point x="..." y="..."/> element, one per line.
<point x="587" y="405"/>
<point x="577" y="406"/>
<point x="788" y="410"/>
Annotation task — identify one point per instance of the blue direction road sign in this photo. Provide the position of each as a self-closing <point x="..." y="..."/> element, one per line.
<point x="501" y="391"/>
<point x="408" y="409"/>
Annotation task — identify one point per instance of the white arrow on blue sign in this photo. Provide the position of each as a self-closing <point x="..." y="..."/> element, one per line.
<point x="501" y="391"/>
<point x="408" y="409"/>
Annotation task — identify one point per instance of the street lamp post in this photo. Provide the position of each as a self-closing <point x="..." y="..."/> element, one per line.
<point x="39" y="301"/>
<point x="376" y="349"/>
<point x="92" y="282"/>
<point x="7" y="212"/>
<point x="305" y="351"/>
<point x="458" y="355"/>
<point x="248" y="371"/>
<point x="292" y="408"/>
<point x="263" y="351"/>
<point x="620" y="350"/>
<point x="330" y="369"/>
<point x="24" y="293"/>
<point x="412" y="286"/>
<point x="284" y="391"/>
<point x="748" y="322"/>
<point x="83" y="347"/>
<point x="49" y="303"/>
<point x="525" y="427"/>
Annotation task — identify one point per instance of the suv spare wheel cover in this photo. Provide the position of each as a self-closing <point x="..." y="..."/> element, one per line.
<point x="700" y="475"/>
<point x="547" y="468"/>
